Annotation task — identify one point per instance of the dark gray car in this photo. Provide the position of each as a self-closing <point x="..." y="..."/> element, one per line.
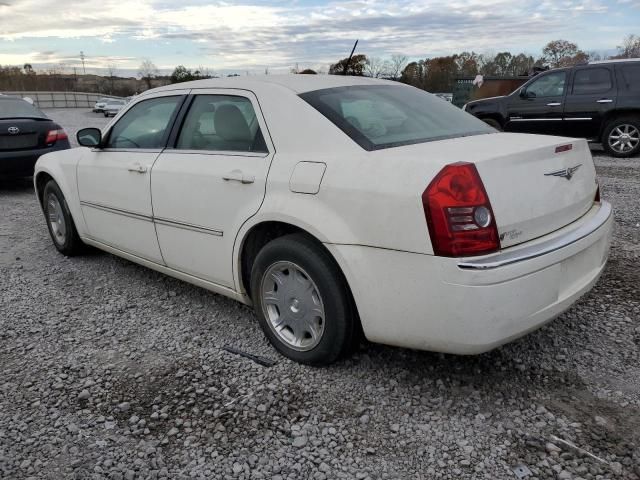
<point x="25" y="134"/>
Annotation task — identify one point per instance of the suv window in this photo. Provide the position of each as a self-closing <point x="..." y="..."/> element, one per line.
<point x="549" y="85"/>
<point x="145" y="124"/>
<point x="631" y="74"/>
<point x="592" y="80"/>
<point x="221" y="123"/>
<point x="385" y="116"/>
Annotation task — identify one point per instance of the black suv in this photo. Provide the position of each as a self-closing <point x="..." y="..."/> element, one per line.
<point x="599" y="101"/>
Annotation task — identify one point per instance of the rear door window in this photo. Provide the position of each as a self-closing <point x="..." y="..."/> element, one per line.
<point x="631" y="75"/>
<point x="221" y="123"/>
<point x="592" y="80"/>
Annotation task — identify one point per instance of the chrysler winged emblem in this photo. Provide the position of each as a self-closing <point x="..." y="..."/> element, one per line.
<point x="566" y="173"/>
<point x="13" y="130"/>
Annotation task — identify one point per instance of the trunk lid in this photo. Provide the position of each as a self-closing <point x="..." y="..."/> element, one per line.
<point x="537" y="184"/>
<point x="24" y="133"/>
<point x="525" y="178"/>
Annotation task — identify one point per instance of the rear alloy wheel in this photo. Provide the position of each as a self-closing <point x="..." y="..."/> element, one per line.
<point x="59" y="222"/>
<point x="622" y="137"/>
<point x="301" y="300"/>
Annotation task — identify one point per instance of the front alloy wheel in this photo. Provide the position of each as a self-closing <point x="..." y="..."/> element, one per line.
<point x="56" y="220"/>
<point x="59" y="221"/>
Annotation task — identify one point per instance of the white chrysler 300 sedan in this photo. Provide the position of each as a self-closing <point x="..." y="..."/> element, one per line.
<point x="338" y="204"/>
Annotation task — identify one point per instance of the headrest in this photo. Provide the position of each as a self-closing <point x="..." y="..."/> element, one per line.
<point x="230" y="124"/>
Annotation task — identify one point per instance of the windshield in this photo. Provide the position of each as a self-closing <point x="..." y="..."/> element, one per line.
<point x="18" y="108"/>
<point x="384" y="116"/>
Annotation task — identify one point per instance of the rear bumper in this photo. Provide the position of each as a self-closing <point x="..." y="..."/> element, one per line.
<point x="472" y="305"/>
<point x="21" y="163"/>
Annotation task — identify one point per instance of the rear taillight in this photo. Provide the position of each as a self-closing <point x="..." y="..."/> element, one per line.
<point x="54" y="135"/>
<point x="459" y="214"/>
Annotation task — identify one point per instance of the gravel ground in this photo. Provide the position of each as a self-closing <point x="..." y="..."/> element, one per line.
<point x="110" y="370"/>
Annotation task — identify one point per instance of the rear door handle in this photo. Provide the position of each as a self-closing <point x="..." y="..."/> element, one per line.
<point x="554" y="104"/>
<point x="238" y="176"/>
<point x="136" y="167"/>
<point x="605" y="100"/>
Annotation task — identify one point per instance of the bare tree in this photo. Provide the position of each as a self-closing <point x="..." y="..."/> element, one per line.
<point x="376" y="67"/>
<point x="112" y="72"/>
<point x="630" y="47"/>
<point x="396" y="66"/>
<point x="147" y="71"/>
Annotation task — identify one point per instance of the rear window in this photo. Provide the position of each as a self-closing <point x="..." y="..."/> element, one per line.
<point x="18" y="108"/>
<point x="384" y="116"/>
<point x="631" y="74"/>
<point x="592" y="80"/>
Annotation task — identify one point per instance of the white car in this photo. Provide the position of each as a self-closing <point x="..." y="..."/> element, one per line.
<point x="333" y="204"/>
<point x="100" y="104"/>
<point x="113" y="106"/>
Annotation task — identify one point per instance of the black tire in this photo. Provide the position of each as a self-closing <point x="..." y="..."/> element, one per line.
<point x="320" y="268"/>
<point x="493" y="123"/>
<point x="68" y="244"/>
<point x="106" y="115"/>
<point x="610" y="129"/>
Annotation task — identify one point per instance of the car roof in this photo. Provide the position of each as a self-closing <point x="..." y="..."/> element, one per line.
<point x="614" y="60"/>
<point x="298" y="83"/>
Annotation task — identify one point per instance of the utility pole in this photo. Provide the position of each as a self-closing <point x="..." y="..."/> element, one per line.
<point x="84" y="70"/>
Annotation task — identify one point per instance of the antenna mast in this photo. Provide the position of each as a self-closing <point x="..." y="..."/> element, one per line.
<point x="346" y="67"/>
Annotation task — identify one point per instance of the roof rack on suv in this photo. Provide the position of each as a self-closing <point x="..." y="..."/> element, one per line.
<point x="615" y="60"/>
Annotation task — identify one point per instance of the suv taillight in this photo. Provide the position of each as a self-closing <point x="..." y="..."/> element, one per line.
<point x="459" y="214"/>
<point x="54" y="135"/>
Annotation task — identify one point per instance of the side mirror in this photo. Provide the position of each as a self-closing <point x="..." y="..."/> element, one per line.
<point x="89" y="137"/>
<point x="523" y="93"/>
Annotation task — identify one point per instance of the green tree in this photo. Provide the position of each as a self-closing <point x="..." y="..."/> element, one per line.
<point x="356" y="66"/>
<point x="181" y="74"/>
<point x="562" y="53"/>
<point x="414" y="74"/>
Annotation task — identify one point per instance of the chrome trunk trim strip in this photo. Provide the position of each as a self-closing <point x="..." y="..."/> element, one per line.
<point x="509" y="257"/>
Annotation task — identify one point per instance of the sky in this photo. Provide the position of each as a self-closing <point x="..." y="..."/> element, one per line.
<point x="251" y="36"/>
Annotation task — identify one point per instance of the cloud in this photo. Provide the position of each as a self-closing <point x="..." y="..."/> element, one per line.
<point x="277" y="33"/>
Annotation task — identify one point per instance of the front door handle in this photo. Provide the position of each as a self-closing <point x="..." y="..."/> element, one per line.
<point x="605" y="100"/>
<point x="136" y="167"/>
<point x="238" y="176"/>
<point x="554" y="104"/>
